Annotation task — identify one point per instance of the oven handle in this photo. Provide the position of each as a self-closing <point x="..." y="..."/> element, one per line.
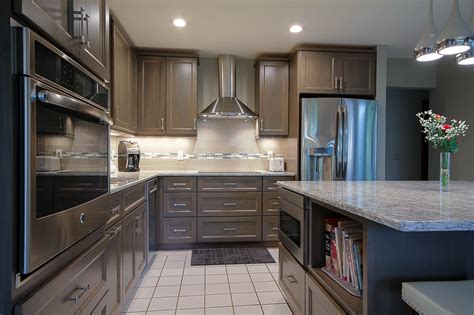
<point x="68" y="102"/>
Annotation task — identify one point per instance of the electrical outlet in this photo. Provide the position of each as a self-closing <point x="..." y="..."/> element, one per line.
<point x="180" y="155"/>
<point x="269" y="154"/>
<point x="59" y="153"/>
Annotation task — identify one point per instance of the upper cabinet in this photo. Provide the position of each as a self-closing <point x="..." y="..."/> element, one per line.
<point x="346" y="73"/>
<point x="124" y="81"/>
<point x="82" y="29"/>
<point x="272" y="97"/>
<point x="167" y="95"/>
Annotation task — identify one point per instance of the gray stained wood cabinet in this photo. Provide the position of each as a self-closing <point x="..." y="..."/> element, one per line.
<point x="342" y="73"/>
<point x="80" y="27"/>
<point x="124" y="81"/>
<point x="272" y="88"/>
<point x="167" y="97"/>
<point x="292" y="281"/>
<point x="318" y="301"/>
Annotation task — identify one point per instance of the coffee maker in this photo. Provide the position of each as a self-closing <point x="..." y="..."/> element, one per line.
<point x="128" y="156"/>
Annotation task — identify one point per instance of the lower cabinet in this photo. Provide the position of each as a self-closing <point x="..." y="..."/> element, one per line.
<point x="179" y="230"/>
<point x="318" y="301"/>
<point x="270" y="226"/>
<point x="292" y="281"/>
<point x="229" y="229"/>
<point x="113" y="298"/>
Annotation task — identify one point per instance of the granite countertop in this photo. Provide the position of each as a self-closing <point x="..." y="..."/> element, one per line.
<point x="410" y="206"/>
<point x="125" y="180"/>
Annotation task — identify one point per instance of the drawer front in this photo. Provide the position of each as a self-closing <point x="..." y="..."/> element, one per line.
<point x="293" y="198"/>
<point x="291" y="278"/>
<point x="71" y="289"/>
<point x="270" y="183"/>
<point x="180" y="183"/>
<point x="212" y="184"/>
<point x="179" y="230"/>
<point x="230" y="229"/>
<point x="271" y="203"/>
<point x="318" y="301"/>
<point x="115" y="209"/>
<point x="133" y="197"/>
<point x="229" y="204"/>
<point x="179" y="205"/>
<point x="270" y="228"/>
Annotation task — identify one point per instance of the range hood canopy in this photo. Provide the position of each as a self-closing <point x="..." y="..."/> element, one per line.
<point x="227" y="105"/>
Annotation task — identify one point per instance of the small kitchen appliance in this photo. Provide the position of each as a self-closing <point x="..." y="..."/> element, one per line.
<point x="128" y="156"/>
<point x="276" y="164"/>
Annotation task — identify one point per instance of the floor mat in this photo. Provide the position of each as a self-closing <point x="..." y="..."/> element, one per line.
<point x="223" y="256"/>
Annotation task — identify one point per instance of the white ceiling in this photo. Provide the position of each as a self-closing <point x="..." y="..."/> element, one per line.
<point x="251" y="27"/>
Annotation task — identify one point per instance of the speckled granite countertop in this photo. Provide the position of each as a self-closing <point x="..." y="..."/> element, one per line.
<point x="125" y="180"/>
<point x="411" y="206"/>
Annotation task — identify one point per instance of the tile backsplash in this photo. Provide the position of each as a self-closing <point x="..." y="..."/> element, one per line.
<point x="219" y="145"/>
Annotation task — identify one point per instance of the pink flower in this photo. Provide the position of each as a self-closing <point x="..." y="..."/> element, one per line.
<point x="446" y="127"/>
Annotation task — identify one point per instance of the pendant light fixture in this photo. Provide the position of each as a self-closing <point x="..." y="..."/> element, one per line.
<point x="425" y="49"/>
<point x="455" y="38"/>
<point x="467" y="58"/>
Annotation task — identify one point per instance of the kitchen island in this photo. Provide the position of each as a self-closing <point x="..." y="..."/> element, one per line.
<point x="411" y="232"/>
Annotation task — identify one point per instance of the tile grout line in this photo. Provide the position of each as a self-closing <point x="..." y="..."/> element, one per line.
<point x="230" y="292"/>
<point x="254" y="288"/>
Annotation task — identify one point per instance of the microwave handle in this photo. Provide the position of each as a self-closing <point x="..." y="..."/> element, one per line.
<point x="68" y="102"/>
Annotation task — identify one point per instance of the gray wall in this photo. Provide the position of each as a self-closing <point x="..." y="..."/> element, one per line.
<point x="408" y="73"/>
<point x="403" y="136"/>
<point x="381" y="98"/>
<point x="454" y="98"/>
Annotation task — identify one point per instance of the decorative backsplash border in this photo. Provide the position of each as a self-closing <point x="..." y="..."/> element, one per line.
<point x="206" y="156"/>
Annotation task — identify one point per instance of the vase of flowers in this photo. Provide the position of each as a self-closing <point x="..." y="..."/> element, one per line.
<point x="443" y="135"/>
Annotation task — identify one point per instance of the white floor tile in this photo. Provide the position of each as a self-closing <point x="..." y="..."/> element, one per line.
<point x="272" y="267"/>
<point x="193" y="280"/>
<point x="195" y="311"/>
<point x="269" y="286"/>
<point x="168" y="312"/>
<point x="147" y="282"/>
<point x="275" y="276"/>
<point x="180" y="259"/>
<point x="239" y="278"/>
<point x="216" y="270"/>
<point x="194" y="271"/>
<point x="248" y="310"/>
<point x="192" y="289"/>
<point x="276" y="309"/>
<point x="216" y="279"/>
<point x="236" y="269"/>
<point x="271" y="298"/>
<point x="165" y="303"/>
<point x="133" y="313"/>
<point x="151" y="273"/>
<point x="242" y="287"/>
<point x="245" y="299"/>
<point x="196" y="301"/>
<point x="143" y="293"/>
<point x="218" y="300"/>
<point x="172" y="272"/>
<point x="257" y="268"/>
<point x="156" y="265"/>
<point x="167" y="291"/>
<point x="259" y="277"/>
<point x="219" y="311"/>
<point x="164" y="281"/>
<point x="173" y="264"/>
<point x="217" y="288"/>
<point x="136" y="305"/>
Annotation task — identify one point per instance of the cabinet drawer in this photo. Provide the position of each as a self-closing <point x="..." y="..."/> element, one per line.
<point x="318" y="301"/>
<point x="133" y="197"/>
<point x="270" y="228"/>
<point x="271" y="203"/>
<point x="291" y="278"/>
<point x="210" y="184"/>
<point x="175" y="184"/>
<point x="70" y="290"/>
<point x="115" y="209"/>
<point x="229" y="204"/>
<point x="270" y="183"/>
<point x="179" y="230"/>
<point x="293" y="198"/>
<point x="179" y="205"/>
<point x="229" y="229"/>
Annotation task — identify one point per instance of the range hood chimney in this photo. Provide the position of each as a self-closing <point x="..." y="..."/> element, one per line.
<point x="227" y="105"/>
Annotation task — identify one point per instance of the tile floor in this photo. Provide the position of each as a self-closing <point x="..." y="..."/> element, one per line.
<point x="170" y="285"/>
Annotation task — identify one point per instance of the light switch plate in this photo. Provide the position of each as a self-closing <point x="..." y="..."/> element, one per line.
<point x="180" y="155"/>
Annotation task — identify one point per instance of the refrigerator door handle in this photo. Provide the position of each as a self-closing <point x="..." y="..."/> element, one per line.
<point x="344" y="143"/>
<point x="339" y="139"/>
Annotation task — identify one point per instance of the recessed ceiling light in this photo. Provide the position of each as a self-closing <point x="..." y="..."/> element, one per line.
<point x="296" y="28"/>
<point x="179" y="22"/>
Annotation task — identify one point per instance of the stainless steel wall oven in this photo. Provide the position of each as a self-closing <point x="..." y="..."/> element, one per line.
<point x="65" y="125"/>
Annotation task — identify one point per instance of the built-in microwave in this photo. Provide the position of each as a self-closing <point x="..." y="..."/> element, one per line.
<point x="65" y="124"/>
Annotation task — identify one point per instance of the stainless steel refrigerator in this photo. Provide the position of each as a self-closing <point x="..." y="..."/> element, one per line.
<point x="338" y="139"/>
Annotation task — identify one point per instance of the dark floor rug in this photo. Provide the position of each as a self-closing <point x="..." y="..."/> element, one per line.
<point x="222" y="256"/>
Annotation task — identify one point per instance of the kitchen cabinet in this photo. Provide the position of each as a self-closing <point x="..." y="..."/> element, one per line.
<point x="318" y="301"/>
<point x="344" y="73"/>
<point x="140" y="245"/>
<point x="167" y="95"/>
<point x="272" y="97"/>
<point x="179" y="230"/>
<point x="229" y="229"/>
<point x="292" y="281"/>
<point x="82" y="29"/>
<point x="153" y="203"/>
<point x="151" y="95"/>
<point x="124" y="81"/>
<point x="113" y="298"/>
<point x="270" y="228"/>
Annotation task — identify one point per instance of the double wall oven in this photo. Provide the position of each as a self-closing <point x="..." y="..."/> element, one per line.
<point x="65" y="121"/>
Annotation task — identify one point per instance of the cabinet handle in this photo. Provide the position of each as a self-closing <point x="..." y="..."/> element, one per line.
<point x="230" y="184"/>
<point x="275" y="228"/>
<point x="76" y="299"/>
<point x="194" y="124"/>
<point x="336" y="83"/>
<point x="230" y="204"/>
<point x="82" y="15"/>
<point x="261" y="124"/>
<point x="87" y="41"/>
<point x="153" y="189"/>
<point x="276" y="203"/>
<point x="112" y="233"/>
<point x="229" y="229"/>
<point x="179" y="204"/>
<point x="341" y="87"/>
<point x="179" y="230"/>
<point x="162" y="124"/>
<point x="179" y="184"/>
<point x="291" y="279"/>
<point x="115" y="210"/>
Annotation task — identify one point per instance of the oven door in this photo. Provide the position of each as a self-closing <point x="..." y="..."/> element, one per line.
<point x="65" y="150"/>
<point x="292" y="232"/>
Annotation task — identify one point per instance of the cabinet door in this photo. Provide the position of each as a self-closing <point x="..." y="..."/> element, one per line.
<point x="318" y="301"/>
<point x="272" y="98"/>
<point x="317" y="72"/>
<point x="356" y="74"/>
<point x="114" y="267"/>
<point x="151" y="95"/>
<point x="140" y="250"/>
<point x="133" y="97"/>
<point x="181" y="96"/>
<point x="128" y="243"/>
<point x="95" y="52"/>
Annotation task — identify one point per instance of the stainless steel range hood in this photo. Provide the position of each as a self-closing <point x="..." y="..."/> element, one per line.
<point x="227" y="105"/>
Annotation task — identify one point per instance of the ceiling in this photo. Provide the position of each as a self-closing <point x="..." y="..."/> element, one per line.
<point x="248" y="28"/>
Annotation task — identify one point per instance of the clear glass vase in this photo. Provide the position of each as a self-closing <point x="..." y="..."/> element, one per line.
<point x="444" y="171"/>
